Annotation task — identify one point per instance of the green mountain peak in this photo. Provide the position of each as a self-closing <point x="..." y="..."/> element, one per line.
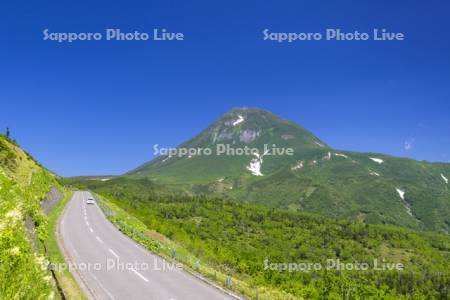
<point x="371" y="187"/>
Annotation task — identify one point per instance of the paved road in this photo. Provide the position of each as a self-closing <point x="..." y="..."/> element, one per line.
<point x="112" y="266"/>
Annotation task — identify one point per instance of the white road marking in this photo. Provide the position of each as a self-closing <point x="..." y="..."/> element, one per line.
<point x="91" y="230"/>
<point x="101" y="285"/>
<point x="114" y="253"/>
<point x="140" y="275"/>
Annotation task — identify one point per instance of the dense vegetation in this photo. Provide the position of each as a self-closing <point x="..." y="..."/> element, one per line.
<point x="242" y="239"/>
<point x="22" y="185"/>
<point x="24" y="228"/>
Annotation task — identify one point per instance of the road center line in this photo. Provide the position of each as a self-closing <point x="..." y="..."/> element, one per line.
<point x="87" y="223"/>
<point x="140" y="275"/>
<point x="114" y="253"/>
<point x="91" y="230"/>
<point x="101" y="285"/>
<point x="99" y="239"/>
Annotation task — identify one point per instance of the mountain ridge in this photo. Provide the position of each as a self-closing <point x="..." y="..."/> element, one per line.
<point x="254" y="121"/>
<point x="373" y="187"/>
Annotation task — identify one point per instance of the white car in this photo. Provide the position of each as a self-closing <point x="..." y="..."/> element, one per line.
<point x="90" y="201"/>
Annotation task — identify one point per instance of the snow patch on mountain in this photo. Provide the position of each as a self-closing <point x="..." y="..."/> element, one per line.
<point x="327" y="157"/>
<point x="255" y="166"/>
<point x="298" y="166"/>
<point x="239" y="120"/>
<point x="256" y="163"/>
<point x="401" y="193"/>
<point x="445" y="178"/>
<point x="373" y="173"/>
<point x="377" y="160"/>
<point x="341" y="155"/>
<point x="319" y="144"/>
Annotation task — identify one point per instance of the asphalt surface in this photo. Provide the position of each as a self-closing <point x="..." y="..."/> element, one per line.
<point x="109" y="265"/>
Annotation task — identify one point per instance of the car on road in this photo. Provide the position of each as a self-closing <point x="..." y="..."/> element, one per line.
<point x="90" y="201"/>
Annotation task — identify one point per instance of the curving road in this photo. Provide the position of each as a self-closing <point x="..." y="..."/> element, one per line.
<point x="109" y="265"/>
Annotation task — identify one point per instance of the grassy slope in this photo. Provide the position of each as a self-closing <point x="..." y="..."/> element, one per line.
<point x="344" y="188"/>
<point x="236" y="238"/>
<point x="340" y="187"/>
<point x="23" y="183"/>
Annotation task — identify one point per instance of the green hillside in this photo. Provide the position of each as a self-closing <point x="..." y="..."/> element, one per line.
<point x="243" y="240"/>
<point x="370" y="187"/>
<point x="27" y="241"/>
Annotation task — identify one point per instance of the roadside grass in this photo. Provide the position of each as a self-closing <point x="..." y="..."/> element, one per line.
<point x="28" y="239"/>
<point x="22" y="186"/>
<point x="65" y="278"/>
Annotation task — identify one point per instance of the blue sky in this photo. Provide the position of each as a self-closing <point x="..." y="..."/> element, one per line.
<point x="98" y="107"/>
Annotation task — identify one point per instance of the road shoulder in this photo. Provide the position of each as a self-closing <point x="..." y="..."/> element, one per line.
<point x="71" y="284"/>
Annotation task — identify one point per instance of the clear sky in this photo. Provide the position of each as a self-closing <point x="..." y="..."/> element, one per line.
<point x="98" y="107"/>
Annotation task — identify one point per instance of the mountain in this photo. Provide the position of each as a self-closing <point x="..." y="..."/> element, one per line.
<point x="237" y="129"/>
<point x="371" y="187"/>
